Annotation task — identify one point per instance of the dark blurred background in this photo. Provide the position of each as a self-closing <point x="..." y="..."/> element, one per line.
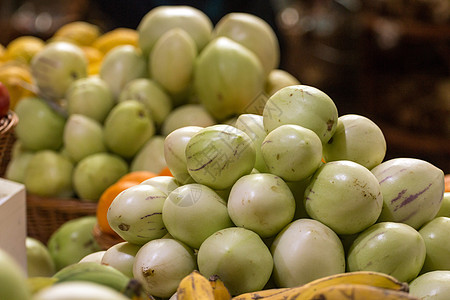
<point x="386" y="59"/>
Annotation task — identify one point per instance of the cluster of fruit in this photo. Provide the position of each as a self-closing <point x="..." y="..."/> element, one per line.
<point x="102" y="104"/>
<point x="277" y="192"/>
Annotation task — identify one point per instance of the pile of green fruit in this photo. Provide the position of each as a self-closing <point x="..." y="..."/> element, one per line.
<point x="276" y="191"/>
<point x="83" y="130"/>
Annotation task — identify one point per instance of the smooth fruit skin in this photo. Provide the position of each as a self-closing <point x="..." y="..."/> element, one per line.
<point x="193" y="212"/>
<point x="412" y="190"/>
<point x="437" y="241"/>
<point x="261" y="202"/>
<point x="72" y="241"/>
<point x="292" y="152"/>
<point x="121" y="257"/>
<point x="13" y="280"/>
<point x="434" y="285"/>
<point x="40" y="127"/>
<point x="79" y="290"/>
<point x="278" y="79"/>
<point x="56" y="67"/>
<point x="345" y="196"/>
<point x="136" y="214"/>
<point x="357" y="138"/>
<point x="228" y="79"/>
<point x="190" y="114"/>
<point x="218" y="155"/>
<point x="306" y="250"/>
<point x="444" y="210"/>
<point x="253" y="33"/>
<point x="392" y="248"/>
<point x="302" y="105"/>
<point x="39" y="260"/>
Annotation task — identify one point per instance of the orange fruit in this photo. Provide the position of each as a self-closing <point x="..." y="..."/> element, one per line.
<point x="137" y="176"/>
<point x="105" y="201"/>
<point x="165" y="172"/>
<point x="447" y="182"/>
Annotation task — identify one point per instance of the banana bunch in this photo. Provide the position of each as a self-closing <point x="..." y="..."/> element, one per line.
<point x="195" y="286"/>
<point x="16" y="76"/>
<point x="359" y="285"/>
<point x="91" y="272"/>
<point x="116" y="37"/>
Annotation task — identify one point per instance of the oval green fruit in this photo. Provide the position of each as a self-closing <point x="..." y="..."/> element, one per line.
<point x="39" y="261"/>
<point x="228" y="79"/>
<point x="163" y="18"/>
<point x="392" y="248"/>
<point x="187" y="115"/>
<point x="437" y="241"/>
<point x="434" y="285"/>
<point x="13" y="279"/>
<point x="217" y="156"/>
<point x="345" y="196"/>
<point x="412" y="190"/>
<point x="253" y="33"/>
<point x="302" y="105"/>
<point x="127" y="128"/>
<point x="278" y="79"/>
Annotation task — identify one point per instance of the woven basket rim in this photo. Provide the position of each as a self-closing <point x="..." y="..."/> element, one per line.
<point x="12" y="120"/>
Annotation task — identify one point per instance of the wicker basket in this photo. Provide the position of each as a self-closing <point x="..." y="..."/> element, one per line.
<point x="104" y="240"/>
<point x="7" y="139"/>
<point x="46" y="215"/>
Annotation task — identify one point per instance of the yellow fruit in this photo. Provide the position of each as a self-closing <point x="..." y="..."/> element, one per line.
<point x="195" y="287"/>
<point x="23" y="48"/>
<point x="220" y="291"/>
<point x="93" y="55"/>
<point x="358" y="292"/>
<point x="116" y="37"/>
<point x="17" y="79"/>
<point x="78" y="32"/>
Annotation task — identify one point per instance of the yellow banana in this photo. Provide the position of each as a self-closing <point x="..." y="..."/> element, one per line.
<point x="195" y="286"/>
<point x="359" y="292"/>
<point x="375" y="279"/>
<point x="78" y="32"/>
<point x="220" y="291"/>
<point x="116" y="37"/>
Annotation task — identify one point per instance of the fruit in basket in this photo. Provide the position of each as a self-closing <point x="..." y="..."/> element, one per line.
<point x="23" y="48"/>
<point x="302" y="105"/>
<point x="150" y="156"/>
<point x="306" y="250"/>
<point x="261" y="202"/>
<point x="127" y="128"/>
<point x="276" y="150"/>
<point x="40" y="127"/>
<point x="388" y="247"/>
<point x="174" y="152"/>
<point x="239" y="257"/>
<point x="218" y="155"/>
<point x="121" y="65"/>
<point x="121" y="257"/>
<point x="431" y="285"/>
<point x="16" y="168"/>
<point x="13" y="279"/>
<point x="228" y="78"/>
<point x="357" y="138"/>
<point x="345" y="196"/>
<point x="72" y="241"/>
<point x="91" y="97"/>
<point x="161" y="264"/>
<point x="151" y="94"/>
<point x="95" y="173"/>
<point x="163" y="18"/>
<point x="56" y="66"/>
<point x="437" y="242"/>
<point x="82" y="137"/>
<point x="278" y="79"/>
<point x="412" y="190"/>
<point x="5" y="100"/>
<point x="39" y="261"/>
<point x="193" y="212"/>
<point x="189" y="114"/>
<point x="172" y="60"/>
<point x="253" y="33"/>
<point x="49" y="174"/>
<point x="136" y="214"/>
<point x="116" y="37"/>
